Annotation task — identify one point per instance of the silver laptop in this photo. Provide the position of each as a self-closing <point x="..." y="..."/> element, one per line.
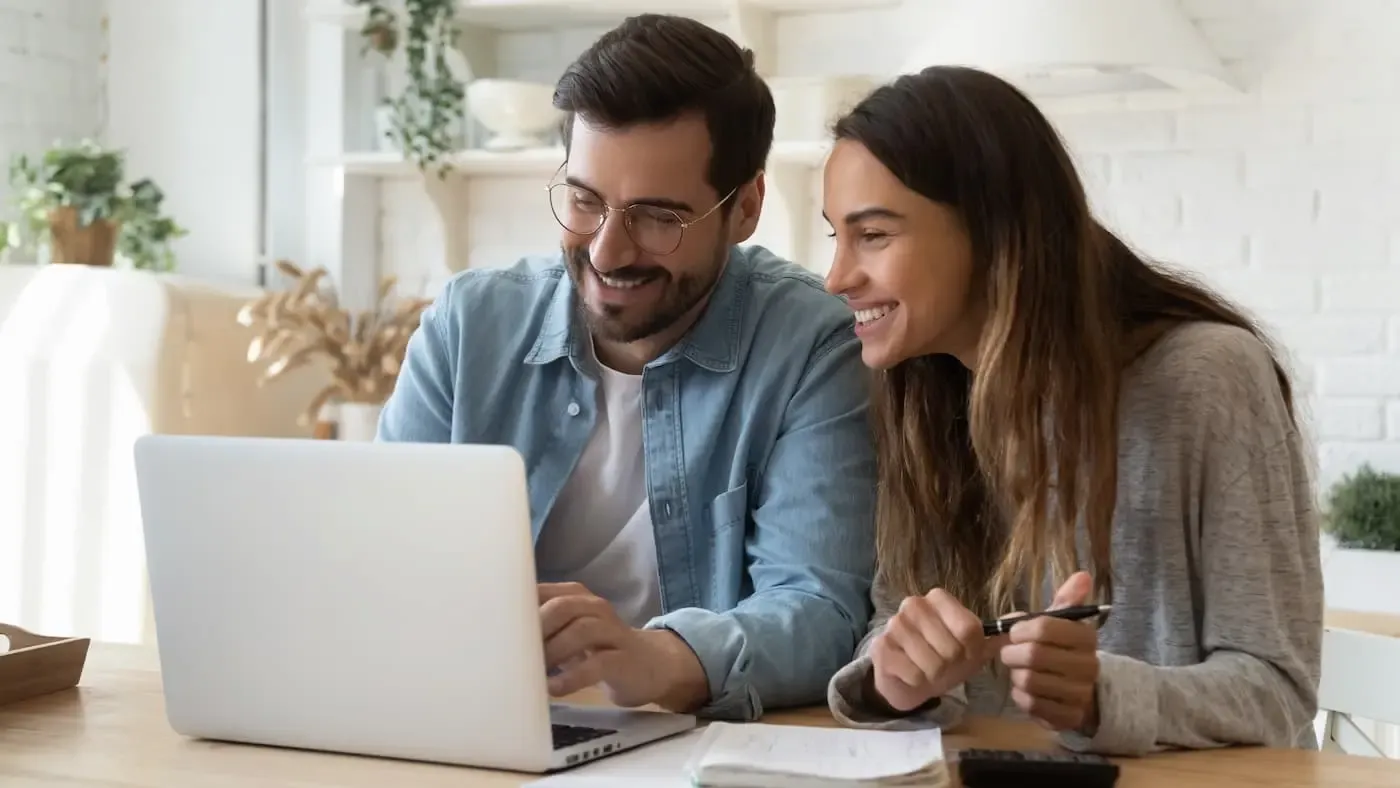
<point x="368" y="598"/>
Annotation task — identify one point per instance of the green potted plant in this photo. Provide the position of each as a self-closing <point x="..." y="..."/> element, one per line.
<point x="428" y="117"/>
<point x="75" y="200"/>
<point x="6" y="229"/>
<point x="1362" y="515"/>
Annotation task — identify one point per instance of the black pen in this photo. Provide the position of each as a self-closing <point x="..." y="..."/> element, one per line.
<point x="1003" y="625"/>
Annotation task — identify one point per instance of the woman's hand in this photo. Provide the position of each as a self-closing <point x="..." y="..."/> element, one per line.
<point x="930" y="645"/>
<point x="1055" y="664"/>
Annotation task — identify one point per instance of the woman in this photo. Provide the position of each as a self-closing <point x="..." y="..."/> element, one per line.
<point x="1045" y="401"/>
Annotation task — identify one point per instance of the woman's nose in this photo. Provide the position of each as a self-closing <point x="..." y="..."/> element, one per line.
<point x="839" y="276"/>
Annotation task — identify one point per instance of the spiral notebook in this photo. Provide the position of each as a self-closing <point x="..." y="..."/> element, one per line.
<point x="759" y="755"/>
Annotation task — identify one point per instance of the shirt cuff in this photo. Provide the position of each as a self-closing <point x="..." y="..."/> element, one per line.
<point x="853" y="702"/>
<point x="1127" y="698"/>
<point x="717" y="642"/>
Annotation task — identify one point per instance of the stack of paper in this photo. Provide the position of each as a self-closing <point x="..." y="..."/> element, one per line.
<point x="788" y="756"/>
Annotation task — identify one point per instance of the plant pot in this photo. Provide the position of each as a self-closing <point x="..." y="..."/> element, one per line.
<point x="358" y="421"/>
<point x="1365" y="580"/>
<point x="94" y="244"/>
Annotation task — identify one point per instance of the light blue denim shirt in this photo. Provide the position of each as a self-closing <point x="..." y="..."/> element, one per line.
<point x="760" y="467"/>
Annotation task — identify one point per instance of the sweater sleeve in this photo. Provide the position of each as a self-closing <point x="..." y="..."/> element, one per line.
<point x="851" y="692"/>
<point x="1258" y="570"/>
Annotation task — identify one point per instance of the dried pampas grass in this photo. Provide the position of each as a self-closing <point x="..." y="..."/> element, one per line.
<point x="302" y="324"/>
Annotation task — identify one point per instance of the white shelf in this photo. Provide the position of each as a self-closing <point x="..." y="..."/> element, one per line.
<point x="470" y="162"/>
<point x="789" y="175"/>
<point x="539" y="161"/>
<point x="518" y="15"/>
<point x="344" y="189"/>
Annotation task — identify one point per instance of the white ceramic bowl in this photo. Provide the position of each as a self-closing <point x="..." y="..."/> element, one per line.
<point x="518" y="114"/>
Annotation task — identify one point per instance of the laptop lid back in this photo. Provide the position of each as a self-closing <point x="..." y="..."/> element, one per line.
<point x="371" y="598"/>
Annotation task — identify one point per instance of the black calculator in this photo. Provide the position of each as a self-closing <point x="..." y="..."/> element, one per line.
<point x="982" y="768"/>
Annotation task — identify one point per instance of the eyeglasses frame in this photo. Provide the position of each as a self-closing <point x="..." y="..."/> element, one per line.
<point x="609" y="210"/>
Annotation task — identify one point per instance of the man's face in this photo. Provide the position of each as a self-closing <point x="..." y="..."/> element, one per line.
<point x="646" y="270"/>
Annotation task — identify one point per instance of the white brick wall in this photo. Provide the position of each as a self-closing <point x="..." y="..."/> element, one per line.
<point x="50" y="86"/>
<point x="1288" y="202"/>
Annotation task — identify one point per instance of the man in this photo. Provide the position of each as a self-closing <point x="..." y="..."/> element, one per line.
<point x="692" y="414"/>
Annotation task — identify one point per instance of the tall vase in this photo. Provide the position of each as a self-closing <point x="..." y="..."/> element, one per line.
<point x="358" y="421"/>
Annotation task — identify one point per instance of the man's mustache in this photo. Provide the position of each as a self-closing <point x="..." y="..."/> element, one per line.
<point x="580" y="259"/>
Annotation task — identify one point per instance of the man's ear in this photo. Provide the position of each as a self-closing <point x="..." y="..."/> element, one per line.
<point x="748" y="206"/>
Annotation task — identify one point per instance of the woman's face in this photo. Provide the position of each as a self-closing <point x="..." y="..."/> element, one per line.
<point x="903" y="262"/>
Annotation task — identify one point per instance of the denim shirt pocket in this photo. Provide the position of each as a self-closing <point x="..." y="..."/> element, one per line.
<point x="728" y="521"/>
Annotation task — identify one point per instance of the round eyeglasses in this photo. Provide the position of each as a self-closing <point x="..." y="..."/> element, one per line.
<point x="654" y="229"/>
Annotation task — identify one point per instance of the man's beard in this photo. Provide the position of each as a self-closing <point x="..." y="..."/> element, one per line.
<point x="679" y="295"/>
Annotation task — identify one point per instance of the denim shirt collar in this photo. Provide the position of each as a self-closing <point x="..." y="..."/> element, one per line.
<point x="712" y="343"/>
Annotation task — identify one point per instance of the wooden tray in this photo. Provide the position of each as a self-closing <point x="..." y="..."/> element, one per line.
<point x="37" y="665"/>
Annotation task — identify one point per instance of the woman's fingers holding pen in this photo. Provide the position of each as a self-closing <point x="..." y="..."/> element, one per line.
<point x="1052" y="684"/>
<point x="1074" y="591"/>
<point x="1054" y="663"/>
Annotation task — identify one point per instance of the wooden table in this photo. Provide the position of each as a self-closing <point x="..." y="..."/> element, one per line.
<point x="1387" y="624"/>
<point x="111" y="732"/>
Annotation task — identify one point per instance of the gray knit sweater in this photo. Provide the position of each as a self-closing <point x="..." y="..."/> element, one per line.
<point x="1216" y="630"/>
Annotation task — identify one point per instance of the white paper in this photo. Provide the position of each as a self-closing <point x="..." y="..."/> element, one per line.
<point x="660" y="764"/>
<point x="840" y="754"/>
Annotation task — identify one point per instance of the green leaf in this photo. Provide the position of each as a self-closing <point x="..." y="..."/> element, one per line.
<point x="1363" y="510"/>
<point x="433" y="103"/>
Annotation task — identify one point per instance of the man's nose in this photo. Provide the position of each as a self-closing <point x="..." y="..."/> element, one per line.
<point x="612" y="248"/>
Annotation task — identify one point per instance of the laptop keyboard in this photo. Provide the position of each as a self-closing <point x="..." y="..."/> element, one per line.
<point x="569" y="735"/>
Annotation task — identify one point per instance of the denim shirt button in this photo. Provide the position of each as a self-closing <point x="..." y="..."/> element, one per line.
<point x="573" y="409"/>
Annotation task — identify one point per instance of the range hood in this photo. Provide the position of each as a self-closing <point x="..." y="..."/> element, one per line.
<point x="1062" y="49"/>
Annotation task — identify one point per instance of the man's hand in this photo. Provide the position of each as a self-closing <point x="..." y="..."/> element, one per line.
<point x="1055" y="664"/>
<point x="586" y="641"/>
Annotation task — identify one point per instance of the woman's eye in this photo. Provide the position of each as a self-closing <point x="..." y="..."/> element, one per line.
<point x="867" y="236"/>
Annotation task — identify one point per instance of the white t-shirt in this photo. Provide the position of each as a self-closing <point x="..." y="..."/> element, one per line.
<point x="599" y="532"/>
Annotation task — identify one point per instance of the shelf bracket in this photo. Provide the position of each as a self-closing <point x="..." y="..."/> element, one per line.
<point x="785" y="226"/>
<point x="448" y="193"/>
<point x="754" y="27"/>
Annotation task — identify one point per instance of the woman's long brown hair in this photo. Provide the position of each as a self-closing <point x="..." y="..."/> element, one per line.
<point x="984" y="478"/>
